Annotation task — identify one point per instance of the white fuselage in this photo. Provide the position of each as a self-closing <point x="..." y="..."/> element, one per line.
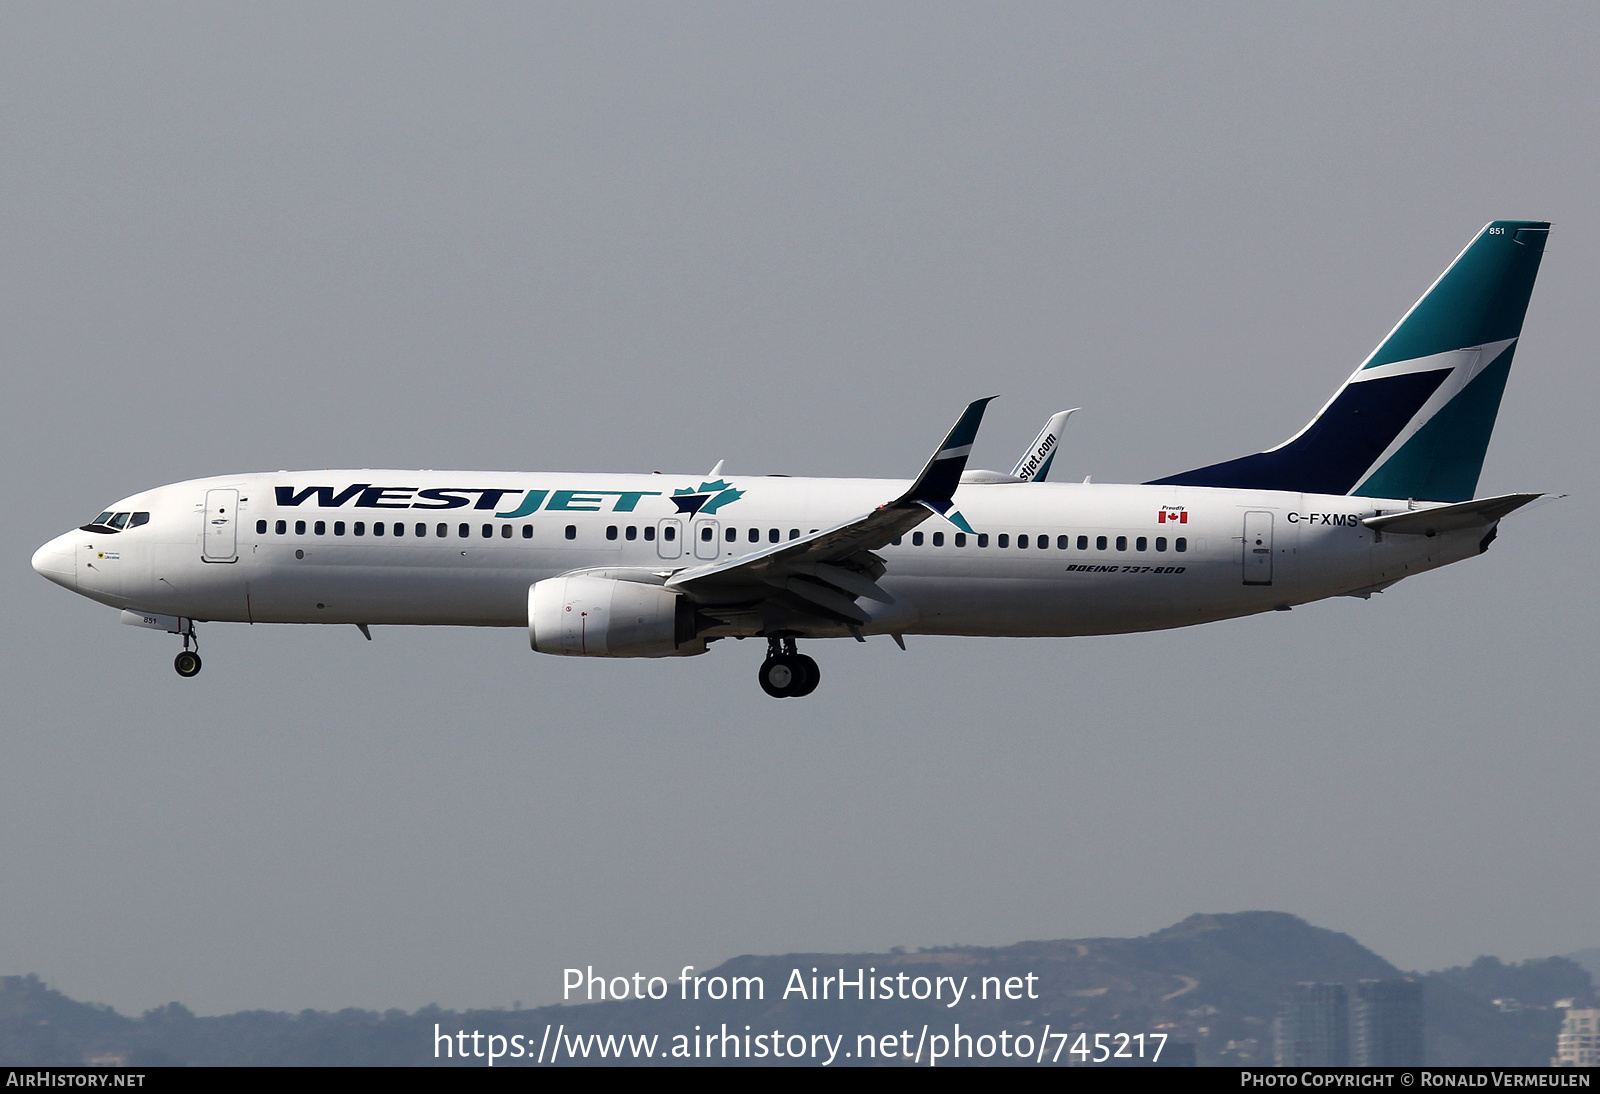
<point x="1099" y="559"/>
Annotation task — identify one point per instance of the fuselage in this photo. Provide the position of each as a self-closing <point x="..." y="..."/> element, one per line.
<point x="385" y="547"/>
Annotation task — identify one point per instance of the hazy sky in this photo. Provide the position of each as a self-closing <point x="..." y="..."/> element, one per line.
<point x="797" y="238"/>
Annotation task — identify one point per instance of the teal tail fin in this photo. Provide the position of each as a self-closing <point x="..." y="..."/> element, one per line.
<point x="1414" y="420"/>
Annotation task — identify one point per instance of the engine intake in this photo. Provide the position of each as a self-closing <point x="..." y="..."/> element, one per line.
<point x="601" y="617"/>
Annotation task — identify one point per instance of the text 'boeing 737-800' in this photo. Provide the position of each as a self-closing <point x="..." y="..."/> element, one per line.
<point x="1378" y="486"/>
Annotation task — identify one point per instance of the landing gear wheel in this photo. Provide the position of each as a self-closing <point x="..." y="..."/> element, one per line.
<point x="810" y="676"/>
<point x="779" y="674"/>
<point x="187" y="663"/>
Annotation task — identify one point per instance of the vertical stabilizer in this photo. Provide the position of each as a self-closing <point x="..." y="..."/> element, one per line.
<point x="1414" y="420"/>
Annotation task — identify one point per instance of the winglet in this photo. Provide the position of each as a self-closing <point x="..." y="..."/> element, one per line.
<point x="1036" y="461"/>
<point x="942" y="473"/>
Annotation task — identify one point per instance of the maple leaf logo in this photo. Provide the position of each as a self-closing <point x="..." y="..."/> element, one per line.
<point x="707" y="498"/>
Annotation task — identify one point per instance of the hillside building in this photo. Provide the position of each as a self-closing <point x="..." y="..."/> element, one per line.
<point x="1386" y="1024"/>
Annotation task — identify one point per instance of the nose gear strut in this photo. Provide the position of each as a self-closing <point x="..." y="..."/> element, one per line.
<point x="188" y="662"/>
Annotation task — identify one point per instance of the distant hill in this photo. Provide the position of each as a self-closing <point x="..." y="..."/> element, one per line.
<point x="1589" y="959"/>
<point x="1212" y="981"/>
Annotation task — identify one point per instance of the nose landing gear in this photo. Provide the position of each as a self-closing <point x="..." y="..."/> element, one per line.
<point x="188" y="662"/>
<point x="786" y="674"/>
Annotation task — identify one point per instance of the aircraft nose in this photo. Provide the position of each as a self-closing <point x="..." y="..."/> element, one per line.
<point x="56" y="560"/>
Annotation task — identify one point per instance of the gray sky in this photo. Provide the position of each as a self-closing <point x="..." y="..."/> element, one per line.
<point x="797" y="238"/>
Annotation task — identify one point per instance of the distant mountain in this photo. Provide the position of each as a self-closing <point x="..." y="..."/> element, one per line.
<point x="1213" y="982"/>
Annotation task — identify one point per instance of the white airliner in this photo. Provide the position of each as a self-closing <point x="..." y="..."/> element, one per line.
<point x="1377" y="486"/>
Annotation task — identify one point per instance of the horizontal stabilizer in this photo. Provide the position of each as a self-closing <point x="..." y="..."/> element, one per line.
<point x="1450" y="518"/>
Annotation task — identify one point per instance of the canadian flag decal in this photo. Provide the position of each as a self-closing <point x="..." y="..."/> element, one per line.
<point x="1172" y="514"/>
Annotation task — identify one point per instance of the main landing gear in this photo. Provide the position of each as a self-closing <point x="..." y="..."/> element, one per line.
<point x="188" y="662"/>
<point x="786" y="674"/>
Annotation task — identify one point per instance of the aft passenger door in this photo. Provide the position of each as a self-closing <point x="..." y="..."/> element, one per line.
<point x="1258" y="548"/>
<point x="220" y="538"/>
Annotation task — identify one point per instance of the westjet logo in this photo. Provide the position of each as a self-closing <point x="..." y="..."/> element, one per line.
<point x="364" y="495"/>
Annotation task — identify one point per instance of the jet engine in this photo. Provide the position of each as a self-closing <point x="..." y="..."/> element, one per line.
<point x="582" y="616"/>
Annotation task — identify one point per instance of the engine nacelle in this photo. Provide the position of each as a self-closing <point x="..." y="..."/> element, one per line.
<point x="583" y="616"/>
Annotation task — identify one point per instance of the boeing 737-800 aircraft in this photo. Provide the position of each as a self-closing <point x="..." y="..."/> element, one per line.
<point x="1377" y="486"/>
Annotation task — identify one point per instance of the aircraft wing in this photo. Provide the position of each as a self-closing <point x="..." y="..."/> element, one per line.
<point x="824" y="573"/>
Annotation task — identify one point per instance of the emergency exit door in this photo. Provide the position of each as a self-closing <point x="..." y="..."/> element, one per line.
<point x="1258" y="548"/>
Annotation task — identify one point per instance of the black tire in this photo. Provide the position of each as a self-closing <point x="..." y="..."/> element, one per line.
<point x="187" y="663"/>
<point x="810" y="676"/>
<point x="779" y="675"/>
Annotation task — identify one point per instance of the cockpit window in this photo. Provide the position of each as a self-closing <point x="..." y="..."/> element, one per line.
<point x="109" y="522"/>
<point x="138" y="519"/>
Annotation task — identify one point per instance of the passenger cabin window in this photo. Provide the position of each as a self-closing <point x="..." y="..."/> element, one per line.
<point x="1083" y="543"/>
<point x="441" y="530"/>
<point x="422" y="531"/>
<point x="1002" y="540"/>
<point x="938" y="539"/>
<point x="1022" y="541"/>
<point x="632" y="532"/>
<point x="705" y="534"/>
<point x="1099" y="543"/>
<point x="320" y="528"/>
<point x="916" y="539"/>
<point x="338" y="527"/>
<point x="649" y="534"/>
<point x="505" y="532"/>
<point x="399" y="529"/>
<point x="377" y="527"/>
<point x="281" y="527"/>
<point x="794" y="533"/>
<point x="772" y="535"/>
<point x="1122" y="543"/>
<point x="359" y="528"/>
<point x="299" y="527"/>
<point x="1063" y="542"/>
<point x="572" y="531"/>
<point x="961" y="539"/>
<point x="1161" y="543"/>
<point x="611" y="531"/>
<point x="488" y="531"/>
<point x="731" y="535"/>
<point x="1141" y="544"/>
<point x="261" y="527"/>
<point x="755" y="535"/>
<point x="983" y="539"/>
<point x="1180" y="544"/>
<point x="463" y="530"/>
<point x="527" y="531"/>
